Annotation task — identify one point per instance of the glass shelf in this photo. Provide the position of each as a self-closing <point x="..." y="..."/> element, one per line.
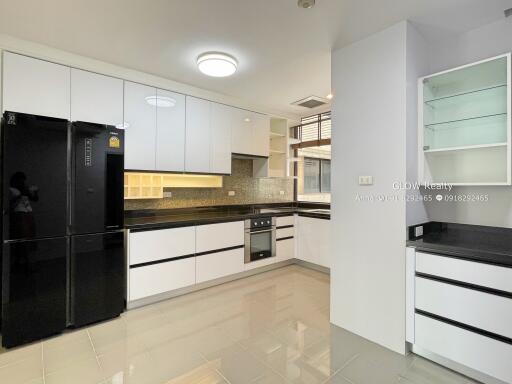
<point x="483" y="103"/>
<point x="464" y="93"/>
<point x="488" y="74"/>
<point x="465" y="148"/>
<point x="478" y="131"/>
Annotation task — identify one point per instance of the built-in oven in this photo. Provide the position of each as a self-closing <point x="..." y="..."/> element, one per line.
<point x="260" y="238"/>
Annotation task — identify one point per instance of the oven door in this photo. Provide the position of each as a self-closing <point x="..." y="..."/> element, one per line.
<point x="260" y="244"/>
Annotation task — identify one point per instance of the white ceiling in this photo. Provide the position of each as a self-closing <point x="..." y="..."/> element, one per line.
<point x="284" y="51"/>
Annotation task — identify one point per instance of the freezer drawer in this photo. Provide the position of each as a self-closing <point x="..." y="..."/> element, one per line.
<point x="34" y="290"/>
<point x="97" y="277"/>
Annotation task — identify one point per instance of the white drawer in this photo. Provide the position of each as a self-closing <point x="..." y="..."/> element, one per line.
<point x="285" y="232"/>
<point x="215" y="265"/>
<point x="217" y="236"/>
<point x="159" y="278"/>
<point x="478" y="352"/>
<point x="285" y="250"/>
<point x="472" y="272"/>
<point x="161" y="244"/>
<point x="479" y="309"/>
<point x="281" y="221"/>
<point x="260" y="263"/>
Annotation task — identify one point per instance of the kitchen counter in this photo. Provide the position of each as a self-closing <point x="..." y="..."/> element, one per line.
<point x="474" y="242"/>
<point x="146" y="220"/>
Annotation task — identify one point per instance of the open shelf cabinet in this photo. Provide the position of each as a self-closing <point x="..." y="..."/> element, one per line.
<point x="464" y="122"/>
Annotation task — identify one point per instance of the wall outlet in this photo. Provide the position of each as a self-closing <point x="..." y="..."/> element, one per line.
<point x="418" y="231"/>
<point x="167" y="194"/>
<point x="365" y="180"/>
<point x="281" y="193"/>
<point x="231" y="193"/>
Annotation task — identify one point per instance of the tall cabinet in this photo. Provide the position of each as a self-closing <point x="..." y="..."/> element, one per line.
<point x="465" y="124"/>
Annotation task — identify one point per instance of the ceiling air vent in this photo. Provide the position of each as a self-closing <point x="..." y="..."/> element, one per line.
<point x="311" y="102"/>
<point x="508" y="12"/>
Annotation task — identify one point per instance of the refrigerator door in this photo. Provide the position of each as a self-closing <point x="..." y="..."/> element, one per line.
<point x="97" y="277"/>
<point x="35" y="197"/>
<point x="34" y="290"/>
<point x="98" y="169"/>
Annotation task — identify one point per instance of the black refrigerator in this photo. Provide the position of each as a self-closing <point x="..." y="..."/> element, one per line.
<point x="63" y="261"/>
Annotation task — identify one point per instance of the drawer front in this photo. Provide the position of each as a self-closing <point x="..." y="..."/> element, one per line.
<point x="285" y="250"/>
<point x="281" y="221"/>
<point x="159" y="278"/>
<point x="260" y="263"/>
<point x="162" y="244"/>
<point x="217" y="236"/>
<point x="485" y="275"/>
<point x="478" y="352"/>
<point x="478" y="309"/>
<point x="285" y="232"/>
<point x="215" y="265"/>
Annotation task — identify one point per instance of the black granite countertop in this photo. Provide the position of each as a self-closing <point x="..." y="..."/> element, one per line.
<point x="171" y="218"/>
<point x="472" y="242"/>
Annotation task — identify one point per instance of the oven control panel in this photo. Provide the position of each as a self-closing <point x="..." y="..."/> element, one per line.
<point x="261" y="222"/>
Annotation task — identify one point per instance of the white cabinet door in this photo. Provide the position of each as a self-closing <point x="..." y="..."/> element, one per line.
<point x="161" y="244"/>
<point x="170" y="136"/>
<point x="220" y="138"/>
<point x="140" y="132"/>
<point x="96" y="98"/>
<point x="285" y="250"/>
<point x="197" y="140"/>
<point x="260" y="135"/>
<point x="159" y="278"/>
<point x="313" y="240"/>
<point x="217" y="236"/>
<point x="35" y="86"/>
<point x="215" y="265"/>
<point x="241" y="132"/>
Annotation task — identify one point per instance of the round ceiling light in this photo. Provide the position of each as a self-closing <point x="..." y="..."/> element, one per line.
<point x="217" y="64"/>
<point x="306" y="4"/>
<point x="161" y="101"/>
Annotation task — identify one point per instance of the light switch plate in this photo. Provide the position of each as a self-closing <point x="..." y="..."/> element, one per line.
<point x="365" y="180"/>
<point x="231" y="193"/>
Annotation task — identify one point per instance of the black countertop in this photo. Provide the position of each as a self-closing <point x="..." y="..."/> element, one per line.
<point x="146" y="220"/>
<point x="473" y="242"/>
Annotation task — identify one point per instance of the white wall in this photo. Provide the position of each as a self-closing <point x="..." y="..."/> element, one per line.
<point x="369" y="138"/>
<point x="487" y="41"/>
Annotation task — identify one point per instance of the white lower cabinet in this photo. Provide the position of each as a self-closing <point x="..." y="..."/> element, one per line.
<point x="163" y="277"/>
<point x="149" y="246"/>
<point x="211" y="237"/>
<point x="473" y="350"/>
<point x="285" y="250"/>
<point x="313" y="238"/>
<point x="260" y="263"/>
<point x="216" y="265"/>
<point x="478" y="309"/>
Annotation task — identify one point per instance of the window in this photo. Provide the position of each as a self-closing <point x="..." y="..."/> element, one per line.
<point x="312" y="153"/>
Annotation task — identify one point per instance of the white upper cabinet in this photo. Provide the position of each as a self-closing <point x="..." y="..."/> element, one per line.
<point x="170" y="136"/>
<point x="241" y="132"/>
<point x="140" y="131"/>
<point x="260" y="134"/>
<point x="220" y="138"/>
<point x="35" y="86"/>
<point x="96" y="98"/>
<point x="197" y="139"/>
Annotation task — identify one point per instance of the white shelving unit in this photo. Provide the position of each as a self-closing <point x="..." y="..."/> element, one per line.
<point x="464" y="122"/>
<point x="277" y="161"/>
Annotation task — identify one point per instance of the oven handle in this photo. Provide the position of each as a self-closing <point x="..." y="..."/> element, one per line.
<point x="262" y="231"/>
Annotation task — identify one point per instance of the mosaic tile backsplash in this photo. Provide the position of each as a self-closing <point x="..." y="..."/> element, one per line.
<point x="248" y="190"/>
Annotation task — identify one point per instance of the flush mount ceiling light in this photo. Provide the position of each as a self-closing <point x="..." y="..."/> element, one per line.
<point x="247" y="120"/>
<point x="329" y="96"/>
<point x="217" y="64"/>
<point x="161" y="101"/>
<point x="306" y="4"/>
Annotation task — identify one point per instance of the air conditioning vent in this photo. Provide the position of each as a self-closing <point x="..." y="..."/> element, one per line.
<point x="508" y="12"/>
<point x="311" y="102"/>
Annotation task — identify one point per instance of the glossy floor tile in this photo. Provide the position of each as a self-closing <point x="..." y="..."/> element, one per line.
<point x="270" y="328"/>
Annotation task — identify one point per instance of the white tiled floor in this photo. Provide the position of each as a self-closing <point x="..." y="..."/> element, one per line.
<point x="266" y="329"/>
